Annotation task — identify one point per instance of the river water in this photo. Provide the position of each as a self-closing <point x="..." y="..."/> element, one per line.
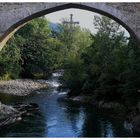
<point x="62" y="119"/>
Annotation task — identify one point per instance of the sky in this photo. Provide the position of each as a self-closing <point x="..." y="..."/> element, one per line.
<point x="84" y="17"/>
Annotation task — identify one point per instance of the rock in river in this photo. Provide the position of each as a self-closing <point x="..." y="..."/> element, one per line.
<point x="9" y="114"/>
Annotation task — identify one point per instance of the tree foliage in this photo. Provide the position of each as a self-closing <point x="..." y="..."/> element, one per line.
<point x="106" y="64"/>
<point x="109" y="67"/>
<point x="31" y="52"/>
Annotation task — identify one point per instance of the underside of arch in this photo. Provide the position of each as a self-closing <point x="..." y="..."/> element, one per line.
<point x="5" y="37"/>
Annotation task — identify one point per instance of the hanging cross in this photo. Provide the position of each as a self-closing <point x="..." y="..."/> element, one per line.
<point x="70" y="22"/>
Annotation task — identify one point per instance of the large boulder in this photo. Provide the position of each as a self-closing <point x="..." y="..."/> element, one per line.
<point x="8" y="115"/>
<point x="6" y="111"/>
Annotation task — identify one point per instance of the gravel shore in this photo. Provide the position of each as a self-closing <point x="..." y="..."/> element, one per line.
<point x="22" y="87"/>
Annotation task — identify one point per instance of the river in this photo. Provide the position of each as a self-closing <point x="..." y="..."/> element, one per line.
<point x="62" y="119"/>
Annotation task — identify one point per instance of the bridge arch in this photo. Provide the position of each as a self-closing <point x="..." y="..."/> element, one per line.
<point x="15" y="15"/>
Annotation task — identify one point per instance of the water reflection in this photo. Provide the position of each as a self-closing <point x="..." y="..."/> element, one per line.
<point x="75" y="118"/>
<point x="87" y="122"/>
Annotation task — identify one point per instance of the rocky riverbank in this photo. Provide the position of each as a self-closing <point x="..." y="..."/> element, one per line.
<point x="22" y="87"/>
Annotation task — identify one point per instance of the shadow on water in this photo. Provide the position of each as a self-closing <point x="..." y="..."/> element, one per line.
<point x="10" y="99"/>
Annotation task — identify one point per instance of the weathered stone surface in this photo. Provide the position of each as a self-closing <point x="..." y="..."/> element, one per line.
<point x="14" y="15"/>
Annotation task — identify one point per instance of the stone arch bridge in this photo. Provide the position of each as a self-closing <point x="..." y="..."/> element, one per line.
<point x="15" y="15"/>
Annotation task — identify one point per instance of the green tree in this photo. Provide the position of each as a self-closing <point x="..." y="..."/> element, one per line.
<point x="10" y="60"/>
<point x="32" y="52"/>
<point x="40" y="51"/>
<point x="74" y="44"/>
<point x="107" y="58"/>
